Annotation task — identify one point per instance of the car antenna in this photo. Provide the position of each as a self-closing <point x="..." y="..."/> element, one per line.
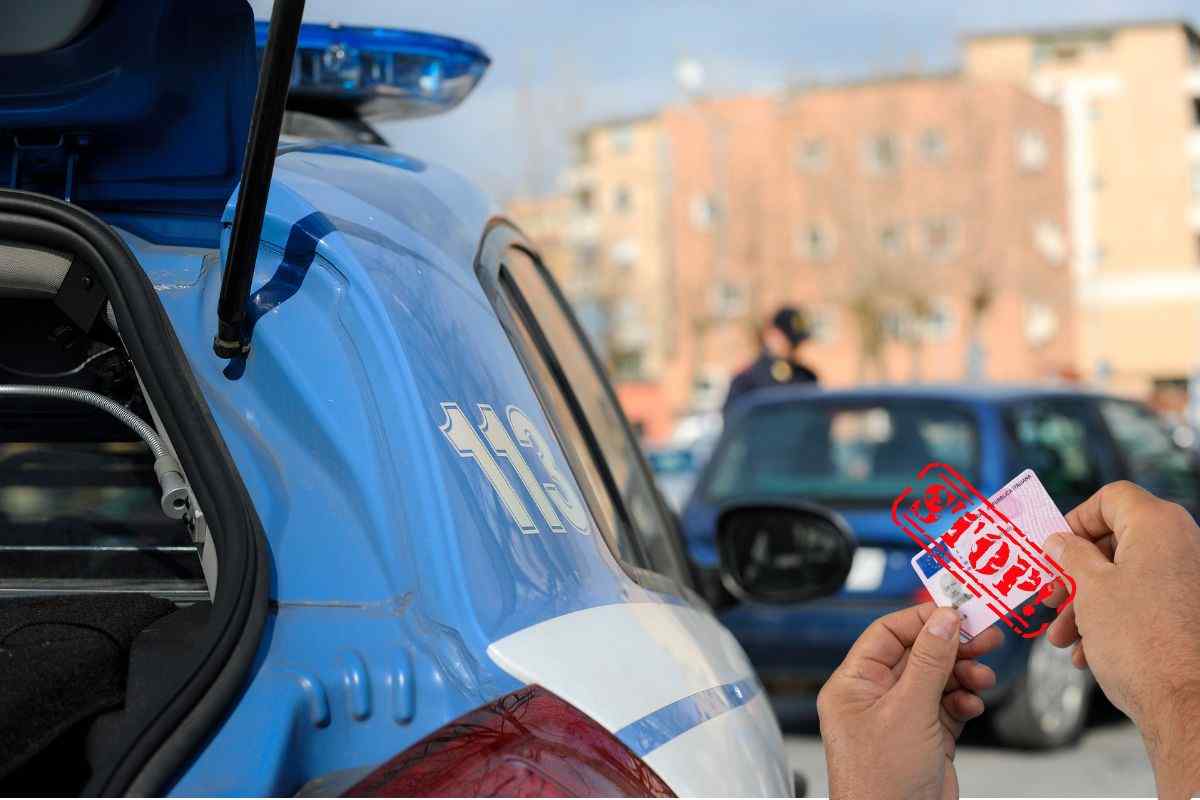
<point x="275" y="75"/>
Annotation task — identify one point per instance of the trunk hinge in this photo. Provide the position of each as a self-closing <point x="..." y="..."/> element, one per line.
<point x="47" y="167"/>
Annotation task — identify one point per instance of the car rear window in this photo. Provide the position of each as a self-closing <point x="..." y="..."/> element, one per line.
<point x="840" y="453"/>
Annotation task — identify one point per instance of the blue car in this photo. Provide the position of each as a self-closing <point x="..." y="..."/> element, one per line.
<point x="854" y="450"/>
<point x="309" y="482"/>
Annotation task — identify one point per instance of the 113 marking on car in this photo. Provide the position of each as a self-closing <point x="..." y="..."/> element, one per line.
<point x="556" y="493"/>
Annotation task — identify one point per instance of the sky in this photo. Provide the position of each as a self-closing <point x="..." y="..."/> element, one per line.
<point x="559" y="65"/>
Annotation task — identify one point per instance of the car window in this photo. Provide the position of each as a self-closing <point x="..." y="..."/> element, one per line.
<point x="618" y="465"/>
<point x="1063" y="442"/>
<point x="85" y="516"/>
<point x="837" y="453"/>
<point x="1151" y="457"/>
<point x="573" y="440"/>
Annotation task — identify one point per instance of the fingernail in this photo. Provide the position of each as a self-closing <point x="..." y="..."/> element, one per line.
<point x="1056" y="544"/>
<point x="943" y="623"/>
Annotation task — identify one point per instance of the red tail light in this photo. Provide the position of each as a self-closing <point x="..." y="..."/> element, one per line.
<point x="529" y="743"/>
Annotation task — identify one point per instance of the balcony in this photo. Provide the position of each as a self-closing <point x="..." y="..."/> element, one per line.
<point x="630" y="334"/>
<point x="578" y="176"/>
<point x="583" y="227"/>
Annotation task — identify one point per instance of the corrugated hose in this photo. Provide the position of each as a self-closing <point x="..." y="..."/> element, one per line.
<point x="174" y="499"/>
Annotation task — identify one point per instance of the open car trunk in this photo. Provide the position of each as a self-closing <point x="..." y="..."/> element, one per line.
<point x="133" y="570"/>
<point x="128" y="618"/>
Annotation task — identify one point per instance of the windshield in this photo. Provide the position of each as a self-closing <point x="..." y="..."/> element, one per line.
<point x="840" y="453"/>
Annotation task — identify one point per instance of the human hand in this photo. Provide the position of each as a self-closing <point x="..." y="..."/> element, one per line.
<point x="1136" y="563"/>
<point x="893" y="710"/>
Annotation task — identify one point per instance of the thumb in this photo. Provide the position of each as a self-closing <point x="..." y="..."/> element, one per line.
<point x="1076" y="555"/>
<point x="931" y="660"/>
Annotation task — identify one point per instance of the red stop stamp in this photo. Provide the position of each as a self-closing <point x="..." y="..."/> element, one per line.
<point x="983" y="555"/>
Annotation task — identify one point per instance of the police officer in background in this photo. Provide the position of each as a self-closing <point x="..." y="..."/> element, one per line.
<point x="779" y="362"/>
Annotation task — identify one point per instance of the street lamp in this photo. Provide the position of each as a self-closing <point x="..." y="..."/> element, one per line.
<point x="689" y="74"/>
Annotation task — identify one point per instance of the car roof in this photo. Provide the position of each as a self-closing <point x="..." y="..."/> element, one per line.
<point x="981" y="393"/>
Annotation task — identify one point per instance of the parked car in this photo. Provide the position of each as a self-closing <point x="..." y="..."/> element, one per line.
<point x="312" y="484"/>
<point x="854" y="450"/>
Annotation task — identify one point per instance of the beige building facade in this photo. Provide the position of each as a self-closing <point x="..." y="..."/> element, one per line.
<point x="620" y="247"/>
<point x="1130" y="100"/>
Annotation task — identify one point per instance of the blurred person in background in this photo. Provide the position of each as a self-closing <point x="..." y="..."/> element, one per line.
<point x="779" y="362"/>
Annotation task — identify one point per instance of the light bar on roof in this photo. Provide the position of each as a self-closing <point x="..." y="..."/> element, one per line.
<point x="380" y="72"/>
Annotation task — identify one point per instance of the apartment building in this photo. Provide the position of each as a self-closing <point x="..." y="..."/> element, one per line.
<point x="1130" y="100"/>
<point x="923" y="220"/>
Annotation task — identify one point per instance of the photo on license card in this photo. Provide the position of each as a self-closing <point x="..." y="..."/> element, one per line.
<point x="947" y="592"/>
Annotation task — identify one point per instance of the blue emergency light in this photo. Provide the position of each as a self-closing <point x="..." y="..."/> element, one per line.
<point x="380" y="72"/>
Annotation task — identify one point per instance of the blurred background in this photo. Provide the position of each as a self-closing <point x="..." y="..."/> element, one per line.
<point x="950" y="191"/>
<point x="963" y="194"/>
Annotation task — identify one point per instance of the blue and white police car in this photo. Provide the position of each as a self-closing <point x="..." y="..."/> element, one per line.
<point x="309" y="482"/>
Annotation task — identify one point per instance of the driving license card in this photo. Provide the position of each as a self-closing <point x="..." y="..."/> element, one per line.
<point x="1026" y="503"/>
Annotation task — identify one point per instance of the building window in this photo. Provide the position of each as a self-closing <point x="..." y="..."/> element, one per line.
<point x="898" y="324"/>
<point x="1049" y="240"/>
<point x="933" y="146"/>
<point x="823" y="324"/>
<point x="939" y="321"/>
<point x="1069" y="47"/>
<point x="815" y="243"/>
<point x="891" y="240"/>
<point x="1041" y="323"/>
<point x="703" y="210"/>
<point x="587" y="256"/>
<point x="623" y="200"/>
<point x="932" y="323"/>
<point x="624" y="254"/>
<point x="621" y="139"/>
<point x="728" y="300"/>
<point x="941" y="238"/>
<point x="882" y="153"/>
<point x="581" y="149"/>
<point x="811" y="155"/>
<point x="628" y="364"/>
<point x="1031" y="150"/>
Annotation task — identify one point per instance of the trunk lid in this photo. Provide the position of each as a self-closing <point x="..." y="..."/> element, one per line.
<point x="140" y="117"/>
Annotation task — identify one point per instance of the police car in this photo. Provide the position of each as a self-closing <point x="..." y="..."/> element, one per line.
<point x="309" y="482"/>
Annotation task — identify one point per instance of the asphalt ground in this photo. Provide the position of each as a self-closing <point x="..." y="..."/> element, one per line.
<point x="1109" y="761"/>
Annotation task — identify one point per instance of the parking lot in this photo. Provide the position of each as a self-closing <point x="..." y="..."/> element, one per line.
<point x="1109" y="761"/>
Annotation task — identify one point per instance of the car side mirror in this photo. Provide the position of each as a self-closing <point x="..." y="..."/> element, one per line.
<point x="782" y="551"/>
